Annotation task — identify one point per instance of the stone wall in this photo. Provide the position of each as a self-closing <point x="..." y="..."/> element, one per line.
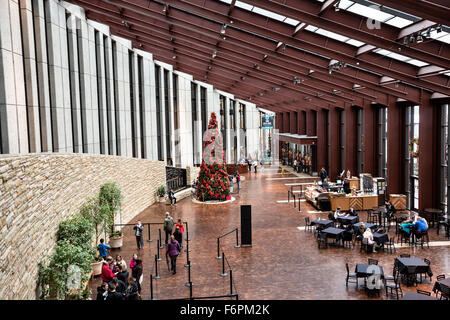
<point x="192" y="174"/>
<point x="37" y="192"/>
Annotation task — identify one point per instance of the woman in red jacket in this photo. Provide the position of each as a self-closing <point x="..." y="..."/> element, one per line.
<point x="107" y="273"/>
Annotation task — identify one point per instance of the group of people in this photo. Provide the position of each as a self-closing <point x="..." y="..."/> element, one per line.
<point x="254" y="164"/>
<point x="117" y="284"/>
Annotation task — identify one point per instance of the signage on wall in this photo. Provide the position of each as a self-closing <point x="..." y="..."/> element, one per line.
<point x="266" y="121"/>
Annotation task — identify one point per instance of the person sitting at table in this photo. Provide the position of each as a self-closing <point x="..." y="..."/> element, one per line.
<point x="346" y="186"/>
<point x="390" y="210"/>
<point x="359" y="232"/>
<point x="368" y="239"/>
<point x="421" y="225"/>
<point x="352" y="212"/>
<point x="406" y="226"/>
<point x="338" y="213"/>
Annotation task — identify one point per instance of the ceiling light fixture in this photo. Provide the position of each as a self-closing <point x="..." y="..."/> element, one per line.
<point x="405" y="41"/>
<point x="224" y="29"/>
<point x="336" y="8"/>
<point x="214" y="54"/>
<point x="439" y="28"/>
<point x="411" y="39"/>
<point x="419" y="38"/>
<point x="428" y="33"/>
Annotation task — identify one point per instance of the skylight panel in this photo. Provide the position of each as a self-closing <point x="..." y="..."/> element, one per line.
<point x="243" y="5"/>
<point x="311" y="28"/>
<point x="399" y="22"/>
<point x="355" y="43"/>
<point x="269" y="14"/>
<point x="292" y="22"/>
<point x="445" y="39"/>
<point x="382" y="51"/>
<point x="344" y="4"/>
<point x="398" y="56"/>
<point x="370" y="12"/>
<point x="332" y="35"/>
<point x="226" y="1"/>
<point x="417" y="63"/>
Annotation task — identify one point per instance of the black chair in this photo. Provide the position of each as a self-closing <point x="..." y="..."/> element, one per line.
<point x="440" y="277"/>
<point x="389" y="245"/>
<point x="367" y="248"/>
<point x="350" y="275"/>
<point x="423" y="292"/>
<point x="347" y="238"/>
<point x="395" y="285"/>
<point x="322" y="239"/>
<point x="405" y="255"/>
<point x="388" y="277"/>
<point x="445" y="223"/>
<point x="308" y="225"/>
<point x="372" y="217"/>
<point x="404" y="237"/>
<point x="428" y="272"/>
<point x="373" y="261"/>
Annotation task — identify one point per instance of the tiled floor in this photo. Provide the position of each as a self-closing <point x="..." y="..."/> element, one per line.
<point x="283" y="262"/>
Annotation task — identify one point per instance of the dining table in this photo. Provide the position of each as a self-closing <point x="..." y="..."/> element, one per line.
<point x="410" y="295"/>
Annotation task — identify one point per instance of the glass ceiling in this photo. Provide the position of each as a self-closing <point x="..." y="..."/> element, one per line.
<point x="361" y="7"/>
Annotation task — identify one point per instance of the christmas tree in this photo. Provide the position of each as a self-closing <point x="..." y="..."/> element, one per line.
<point x="213" y="182"/>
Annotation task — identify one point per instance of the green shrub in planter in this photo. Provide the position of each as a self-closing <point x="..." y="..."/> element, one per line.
<point x="161" y="191"/>
<point x="111" y="197"/>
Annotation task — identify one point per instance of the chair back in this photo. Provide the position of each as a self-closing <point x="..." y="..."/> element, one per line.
<point x="440" y="277"/>
<point x="347" y="268"/>
<point x="405" y="255"/>
<point x="307" y="221"/>
<point x="373" y="261"/>
<point x="424" y="292"/>
<point x="392" y="241"/>
<point x="428" y="262"/>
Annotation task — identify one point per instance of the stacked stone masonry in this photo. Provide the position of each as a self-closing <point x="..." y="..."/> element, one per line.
<point x="37" y="192"/>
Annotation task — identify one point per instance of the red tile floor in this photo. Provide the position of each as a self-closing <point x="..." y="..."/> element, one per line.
<point x="283" y="262"/>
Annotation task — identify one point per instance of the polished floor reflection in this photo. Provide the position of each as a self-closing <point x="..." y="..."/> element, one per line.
<point x="284" y="261"/>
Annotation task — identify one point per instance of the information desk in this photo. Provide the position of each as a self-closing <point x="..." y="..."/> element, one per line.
<point x="363" y="202"/>
<point x="398" y="200"/>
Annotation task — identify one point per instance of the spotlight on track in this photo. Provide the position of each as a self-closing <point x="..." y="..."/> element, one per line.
<point x="336" y="8"/>
<point x="428" y="33"/>
<point x="439" y="28"/>
<point x="419" y="38"/>
<point x="224" y="29"/>
<point x="214" y="54"/>
<point x="405" y="41"/>
<point x="411" y="39"/>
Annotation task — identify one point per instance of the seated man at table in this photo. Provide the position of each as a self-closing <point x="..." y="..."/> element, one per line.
<point x="352" y="212"/>
<point x="338" y="213"/>
<point x="368" y="239"/>
<point x="390" y="209"/>
<point x="325" y="185"/>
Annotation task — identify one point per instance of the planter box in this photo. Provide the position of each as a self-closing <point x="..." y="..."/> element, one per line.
<point x="116" y="242"/>
<point x="97" y="268"/>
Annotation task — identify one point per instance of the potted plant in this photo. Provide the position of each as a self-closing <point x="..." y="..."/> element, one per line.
<point x="110" y="198"/>
<point x="161" y="192"/>
<point x="116" y="239"/>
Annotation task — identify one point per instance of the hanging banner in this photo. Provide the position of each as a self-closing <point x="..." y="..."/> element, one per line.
<point x="267" y="121"/>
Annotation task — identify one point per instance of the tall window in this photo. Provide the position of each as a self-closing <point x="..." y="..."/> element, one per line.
<point x="382" y="142"/>
<point x="158" y="111"/>
<point x="132" y="103"/>
<point x="233" y="133"/>
<point x="223" y="124"/>
<point x="359" y="137"/>
<point x="342" y="137"/>
<point x="195" y="159"/>
<point x="412" y="132"/>
<point x="241" y="116"/>
<point x="167" y="116"/>
<point x="204" y="117"/>
<point x="141" y="106"/>
<point x="444" y="199"/>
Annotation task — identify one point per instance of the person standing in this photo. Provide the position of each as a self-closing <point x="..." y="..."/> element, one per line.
<point x="238" y="180"/>
<point x="168" y="226"/>
<point x="103" y="249"/>
<point x="113" y="295"/>
<point x="173" y="200"/>
<point x="137" y="274"/>
<point x="262" y="165"/>
<point x="102" y="291"/>
<point x="173" y="250"/>
<point x="138" y="231"/>
<point x="323" y="174"/>
<point x="133" y="261"/>
<point x="255" y="165"/>
<point x="180" y="225"/>
<point x="249" y="165"/>
<point x="132" y="290"/>
<point x="178" y="235"/>
<point x="122" y="274"/>
<point x="107" y="274"/>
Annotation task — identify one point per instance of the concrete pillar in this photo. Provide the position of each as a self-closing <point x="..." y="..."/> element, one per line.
<point x="94" y="125"/>
<point x="395" y="163"/>
<point x="29" y="52"/>
<point x="101" y="91"/>
<point x="13" y="109"/>
<point x="227" y="131"/>
<point x="109" y="97"/>
<point x="369" y="138"/>
<point x="136" y="131"/>
<point x="42" y="75"/>
<point x="75" y="83"/>
<point x="153" y="141"/>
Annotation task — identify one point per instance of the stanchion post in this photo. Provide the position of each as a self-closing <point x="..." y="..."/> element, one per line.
<point x="289" y="193"/>
<point x="160" y="241"/>
<point x="157" y="248"/>
<point x="187" y="254"/>
<point x="187" y="232"/>
<point x="157" y="276"/>
<point x="231" y="281"/>
<point x="218" y="249"/>
<point x="300" y="197"/>
<point x="237" y="239"/>
<point x="187" y="247"/>
<point x="223" y="274"/>
<point x="151" y="287"/>
<point x="149" y="237"/>
<point x="189" y="282"/>
<point x="190" y="290"/>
